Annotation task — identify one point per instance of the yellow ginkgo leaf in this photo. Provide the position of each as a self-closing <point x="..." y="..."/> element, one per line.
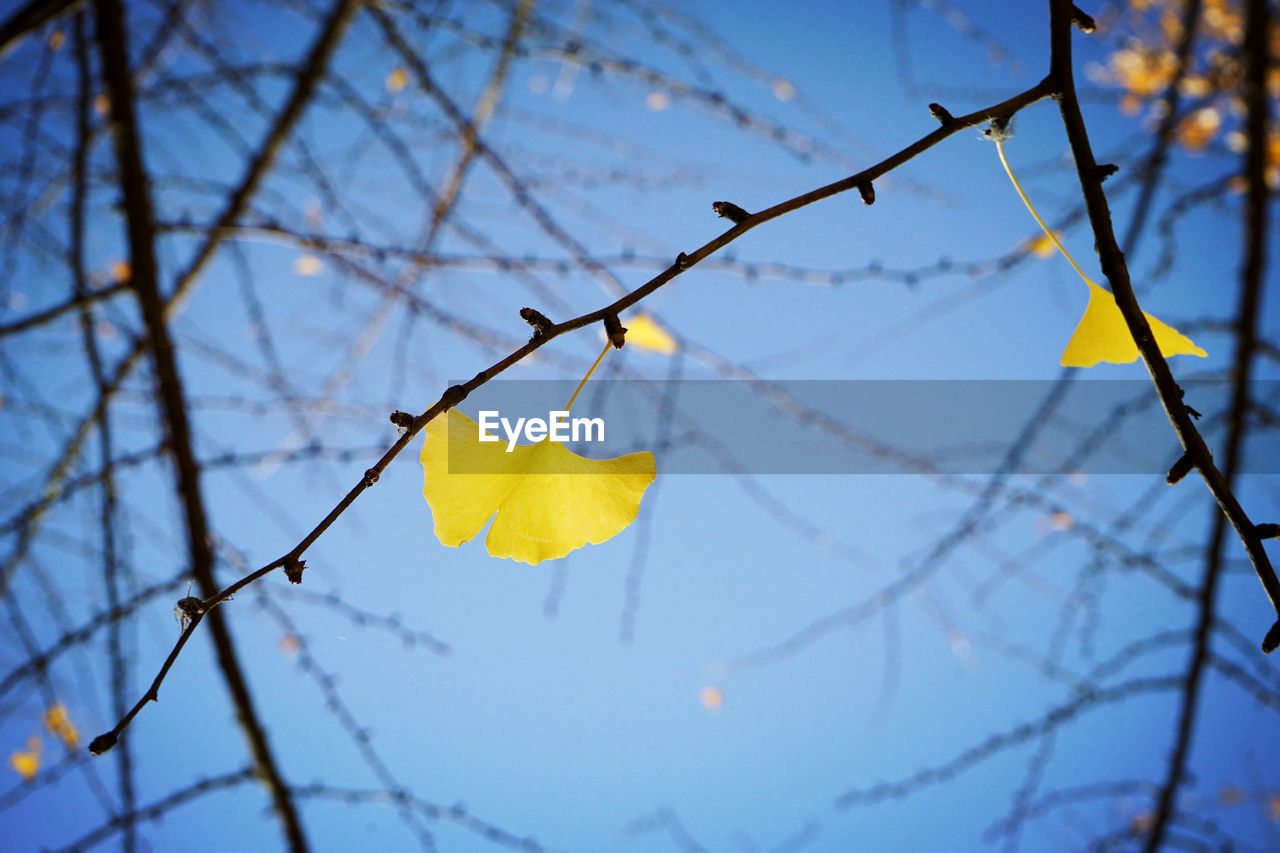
<point x="645" y="333"/>
<point x="548" y="500"/>
<point x="1102" y="335"/>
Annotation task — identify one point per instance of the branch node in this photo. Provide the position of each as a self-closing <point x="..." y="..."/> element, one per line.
<point x="1267" y="531"/>
<point x="1081" y="21"/>
<point x="615" y="330"/>
<point x="683" y="262"/>
<point x="729" y="210"/>
<point x="453" y="395"/>
<point x="371" y="477"/>
<point x="1182" y="394"/>
<point x="868" y="193"/>
<point x="1179" y="470"/>
<point x="541" y="325"/>
<point x="190" y="607"/>
<point x="293" y="568"/>
<point x="941" y="113"/>
<point x="1106" y="170"/>
<point x="102" y="743"/>
<point x="402" y="420"/>
<point x="1001" y="128"/>
<point x="1272" y="639"/>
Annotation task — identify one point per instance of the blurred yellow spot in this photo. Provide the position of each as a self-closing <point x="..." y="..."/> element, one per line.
<point x="27" y="762"/>
<point x="783" y="90"/>
<point x="56" y="40"/>
<point x="121" y="271"/>
<point x="657" y="101"/>
<point x="712" y="699"/>
<point x="397" y="80"/>
<point x="1042" y="245"/>
<point x="1060" y="521"/>
<point x="101" y="104"/>
<point x="307" y="265"/>
<point x="1198" y="129"/>
<point x="1273" y="807"/>
<point x="289" y="644"/>
<point x="643" y="332"/>
<point x="59" y="724"/>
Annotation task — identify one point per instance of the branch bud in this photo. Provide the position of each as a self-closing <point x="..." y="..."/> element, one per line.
<point x="1272" y="639"/>
<point x="729" y="210"/>
<point x="293" y="568"/>
<point x="1084" y="23"/>
<point x="453" y="395"/>
<point x="102" y="743"/>
<point x="1179" y="470"/>
<point x="615" y="330"/>
<point x="536" y="319"/>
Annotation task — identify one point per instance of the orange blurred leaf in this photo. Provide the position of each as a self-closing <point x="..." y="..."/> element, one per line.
<point x="58" y="722"/>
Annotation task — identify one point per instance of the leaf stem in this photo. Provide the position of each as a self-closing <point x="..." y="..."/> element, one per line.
<point x="608" y="345"/>
<point x="1048" y="231"/>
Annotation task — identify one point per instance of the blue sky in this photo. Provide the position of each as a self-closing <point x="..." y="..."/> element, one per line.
<point x="568" y="708"/>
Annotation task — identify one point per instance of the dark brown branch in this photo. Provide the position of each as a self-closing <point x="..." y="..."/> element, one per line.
<point x="1117" y="273"/>
<point x="30" y="17"/>
<point x="134" y="185"/>
<point x="1256" y="49"/>
<point x="106" y="448"/>
<point x="307" y="79"/>
<point x="80" y="301"/>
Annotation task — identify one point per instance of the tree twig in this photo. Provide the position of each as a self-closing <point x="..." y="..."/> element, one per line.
<point x="457" y="393"/>
<point x="1117" y="273"/>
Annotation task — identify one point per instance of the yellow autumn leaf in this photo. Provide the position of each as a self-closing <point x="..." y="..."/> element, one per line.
<point x="27" y="762"/>
<point x="548" y="500"/>
<point x="1102" y="335"/>
<point x="645" y="333"/>
<point x="59" y="724"/>
<point x="397" y="80"/>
